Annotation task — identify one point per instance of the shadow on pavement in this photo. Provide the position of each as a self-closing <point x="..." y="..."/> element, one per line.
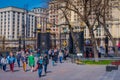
<point x="43" y="75"/>
<point x="8" y="70"/>
<point x="49" y="71"/>
<point x="16" y="70"/>
<point x="27" y="70"/>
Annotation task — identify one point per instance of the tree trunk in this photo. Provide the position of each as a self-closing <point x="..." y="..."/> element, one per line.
<point x="105" y="28"/>
<point x="74" y="41"/>
<point x="94" y="45"/>
<point x="113" y="41"/>
<point x="71" y="32"/>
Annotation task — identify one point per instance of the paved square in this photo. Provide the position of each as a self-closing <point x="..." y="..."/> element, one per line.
<point x="64" y="71"/>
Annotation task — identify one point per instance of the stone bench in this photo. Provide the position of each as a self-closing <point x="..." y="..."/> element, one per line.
<point x="114" y="66"/>
<point x="111" y="67"/>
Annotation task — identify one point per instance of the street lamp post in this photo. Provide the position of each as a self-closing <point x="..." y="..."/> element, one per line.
<point x="65" y="40"/>
<point x="38" y="37"/>
<point x="70" y="43"/>
<point x="54" y="34"/>
<point x="48" y="41"/>
<point x="19" y="43"/>
<point x="3" y="43"/>
<point x="106" y="45"/>
<point x="60" y="37"/>
<point x="23" y="36"/>
<point x="54" y="40"/>
<point x="81" y="38"/>
<point x="35" y="39"/>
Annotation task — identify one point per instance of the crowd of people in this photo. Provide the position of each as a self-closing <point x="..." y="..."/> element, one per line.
<point x="28" y="57"/>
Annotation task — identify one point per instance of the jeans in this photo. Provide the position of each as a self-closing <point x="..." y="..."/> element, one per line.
<point x="45" y="68"/>
<point x="4" y="67"/>
<point x="0" y="66"/>
<point x="53" y="62"/>
<point x="12" y="67"/>
<point x="56" y="58"/>
<point x="60" y="58"/>
<point x="39" y="72"/>
<point x="18" y="62"/>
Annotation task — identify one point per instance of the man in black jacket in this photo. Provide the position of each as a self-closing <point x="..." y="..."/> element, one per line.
<point x="40" y="66"/>
<point x="45" y="62"/>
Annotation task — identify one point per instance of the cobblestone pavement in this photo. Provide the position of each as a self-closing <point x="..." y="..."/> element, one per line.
<point x="62" y="71"/>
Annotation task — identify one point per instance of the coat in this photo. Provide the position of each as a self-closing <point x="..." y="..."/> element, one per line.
<point x="31" y="60"/>
<point x="4" y="61"/>
<point x="11" y="60"/>
<point x="40" y="64"/>
<point x="45" y="60"/>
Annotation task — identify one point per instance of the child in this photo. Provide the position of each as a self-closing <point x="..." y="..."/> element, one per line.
<point x="60" y="56"/>
<point x="4" y="63"/>
<point x="40" y="66"/>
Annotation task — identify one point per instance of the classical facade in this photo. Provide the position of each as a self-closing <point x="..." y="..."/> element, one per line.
<point x="43" y="28"/>
<point x="16" y="23"/>
<point x="41" y="15"/>
<point x="115" y="22"/>
<point x="53" y="19"/>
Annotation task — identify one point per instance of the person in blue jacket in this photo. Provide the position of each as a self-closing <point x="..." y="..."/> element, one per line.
<point x="11" y="61"/>
<point x="40" y="66"/>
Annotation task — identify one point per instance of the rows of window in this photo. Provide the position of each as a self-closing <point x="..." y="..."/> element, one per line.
<point x="40" y="10"/>
<point x="5" y="19"/>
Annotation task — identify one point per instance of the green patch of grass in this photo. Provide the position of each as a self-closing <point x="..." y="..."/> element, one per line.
<point x="101" y="62"/>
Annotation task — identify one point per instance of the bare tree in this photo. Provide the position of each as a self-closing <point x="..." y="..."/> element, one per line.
<point x="103" y="19"/>
<point x="89" y="7"/>
<point x="65" y="15"/>
<point x="91" y="13"/>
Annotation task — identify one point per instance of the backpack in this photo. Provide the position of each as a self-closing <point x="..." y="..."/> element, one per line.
<point x="40" y="61"/>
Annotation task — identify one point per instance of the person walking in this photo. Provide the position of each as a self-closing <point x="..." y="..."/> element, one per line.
<point x="0" y="60"/>
<point x="11" y="61"/>
<point x="56" y="55"/>
<point x="65" y="54"/>
<point x="60" y="56"/>
<point x="40" y="66"/>
<point x="18" y="56"/>
<point x="45" y="62"/>
<point x="50" y="53"/>
<point x="31" y="61"/>
<point x="53" y="59"/>
<point x="4" y="63"/>
<point x="38" y="53"/>
<point x="24" y="61"/>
